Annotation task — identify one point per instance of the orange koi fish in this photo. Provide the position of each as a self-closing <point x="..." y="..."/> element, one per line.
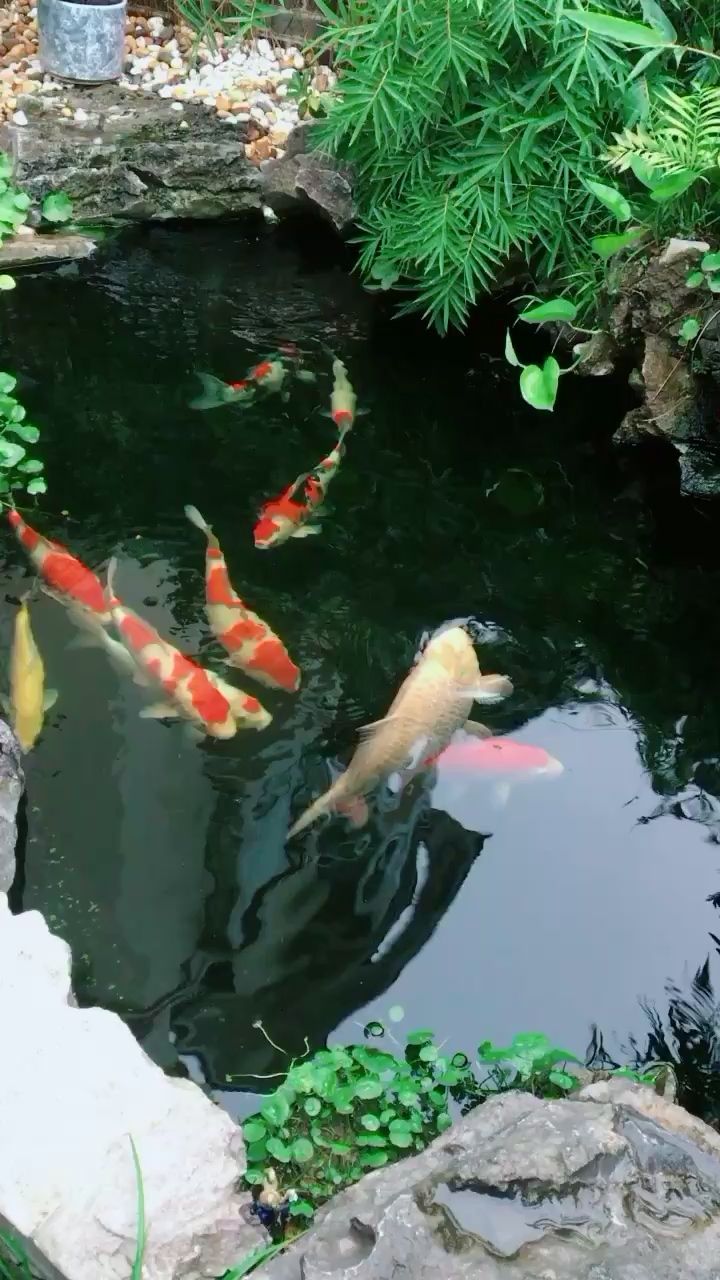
<point x="64" y="575"/>
<point x="285" y="516"/>
<point x="191" y="692"/>
<point x="251" y="644"/>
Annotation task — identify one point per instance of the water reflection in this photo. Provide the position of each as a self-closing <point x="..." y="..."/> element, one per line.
<point x="166" y="866"/>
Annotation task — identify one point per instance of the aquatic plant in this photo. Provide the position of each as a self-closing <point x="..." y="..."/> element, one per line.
<point x="348" y="1109"/>
<point x="18" y="469"/>
<point x="473" y="128"/>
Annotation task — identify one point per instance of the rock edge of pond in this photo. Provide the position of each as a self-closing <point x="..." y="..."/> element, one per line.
<point x="613" y="1182"/>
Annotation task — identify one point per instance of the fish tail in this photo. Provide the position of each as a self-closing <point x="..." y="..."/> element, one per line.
<point x="214" y="392"/>
<point x="324" y="804"/>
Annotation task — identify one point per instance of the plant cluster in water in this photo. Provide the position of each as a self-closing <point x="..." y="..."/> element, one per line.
<point x="18" y="469"/>
<point x="346" y="1110"/>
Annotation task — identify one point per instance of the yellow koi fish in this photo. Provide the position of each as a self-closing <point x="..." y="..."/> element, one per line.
<point x="28" y="699"/>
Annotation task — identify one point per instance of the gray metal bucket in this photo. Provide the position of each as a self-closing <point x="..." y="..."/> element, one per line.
<point x="82" y="42"/>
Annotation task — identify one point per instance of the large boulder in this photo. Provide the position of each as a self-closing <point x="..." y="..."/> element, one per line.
<point x="12" y="783"/>
<point x="307" y="180"/>
<point x="74" y="1088"/>
<point x="132" y="155"/>
<point x="617" y="1184"/>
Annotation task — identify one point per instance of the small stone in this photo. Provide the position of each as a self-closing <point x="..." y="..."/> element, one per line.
<point x="166" y="33"/>
<point x="164" y="92"/>
<point x="165" y="56"/>
<point x="264" y="48"/>
<point x="20" y="118"/>
<point x="222" y="103"/>
<point x="177" y="64"/>
<point x="81" y="117"/>
<point x="184" y="124"/>
<point x="65" y="111"/>
<point x="299" y="62"/>
<point x="176" y="106"/>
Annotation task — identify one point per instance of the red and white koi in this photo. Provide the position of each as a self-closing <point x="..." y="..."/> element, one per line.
<point x="251" y="644"/>
<point x="191" y="692"/>
<point x="215" y="392"/>
<point x="64" y="575"/>
<point x="343" y="401"/>
<point x="286" y="516"/>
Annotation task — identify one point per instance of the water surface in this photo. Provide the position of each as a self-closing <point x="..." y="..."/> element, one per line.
<point x="165" y="865"/>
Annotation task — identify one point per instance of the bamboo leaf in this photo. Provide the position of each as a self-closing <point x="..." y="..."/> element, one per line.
<point x="618" y="30"/>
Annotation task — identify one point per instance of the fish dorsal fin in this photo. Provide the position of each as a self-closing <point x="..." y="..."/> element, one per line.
<point x="368" y="731"/>
<point x="491" y="688"/>
<point x="50" y="698"/>
<point x="477" y="729"/>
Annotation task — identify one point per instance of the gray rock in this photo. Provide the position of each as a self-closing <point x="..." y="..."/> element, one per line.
<point x="616" y="1185"/>
<point x="683" y="249"/>
<point x="134" y="159"/>
<point x="39" y="250"/>
<point x="74" y="1085"/>
<point x="304" y="179"/>
<point x="12" y="784"/>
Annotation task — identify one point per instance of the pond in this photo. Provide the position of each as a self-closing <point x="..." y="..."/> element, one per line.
<point x="165" y="864"/>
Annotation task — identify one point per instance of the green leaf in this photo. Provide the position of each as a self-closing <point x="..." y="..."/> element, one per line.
<point x="7" y="282"/>
<point x="373" y="1159"/>
<point x="644" y="172"/>
<point x="257" y="1151"/>
<point x="419" y="1037"/>
<point x="254" y="1177"/>
<point x="428" y="1053"/>
<point x="709" y="262"/>
<point x="694" y="279"/>
<point x="57" y="207"/>
<point x="275" y="1110"/>
<point x="370" y="1121"/>
<point x="399" y="1138"/>
<point x="553" y="309"/>
<point x="25" y="431"/>
<point x="538" y="386"/>
<point x="396" y="1013"/>
<point x="254" y="1131"/>
<point x="301" y="1209"/>
<point x="530" y="1044"/>
<point x="302" y="1150"/>
<point x="37" y="485"/>
<point x="512" y="359"/>
<point x="387" y="1115"/>
<point x="10" y="452"/>
<point x="5" y="165"/>
<point x="611" y="198"/>
<point x="278" y="1150"/>
<point x="658" y="19"/>
<point x="408" y="1098"/>
<point x="673" y="185"/>
<point x="443" y="1121"/>
<point x="7" y="383"/>
<point x="606" y="246"/>
<point x="563" y="1079"/>
<point x="370" y="1140"/>
<point x="689" y="329"/>
<point x="18" y="413"/>
<point x="368" y="1088"/>
<point x="714" y="283"/>
<point x="312" y="1106"/>
<point x="617" y="30"/>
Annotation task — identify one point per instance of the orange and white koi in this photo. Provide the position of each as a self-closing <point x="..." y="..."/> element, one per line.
<point x="251" y="644"/>
<point x="63" y="574"/>
<point x="191" y="692"/>
<point x="215" y="392"/>
<point x="287" y="517"/>
<point x="343" y="401"/>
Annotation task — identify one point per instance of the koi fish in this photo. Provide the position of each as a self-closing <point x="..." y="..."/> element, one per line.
<point x="343" y="401"/>
<point x="432" y="703"/>
<point x="191" y="692"/>
<point x="215" y="392"/>
<point x="286" y="516"/>
<point x="94" y="634"/>
<point x="502" y="761"/>
<point x="64" y="576"/>
<point x="251" y="644"/>
<point x="29" y="699"/>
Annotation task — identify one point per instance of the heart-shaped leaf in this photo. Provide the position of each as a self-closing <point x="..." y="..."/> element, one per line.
<point x="689" y="329"/>
<point x="606" y="246"/>
<point x="10" y="452"/>
<point x="37" y="485"/>
<point x="57" y="207"/>
<point x="7" y="283"/>
<point x="538" y="386"/>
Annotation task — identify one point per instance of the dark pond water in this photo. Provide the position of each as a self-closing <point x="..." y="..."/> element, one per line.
<point x="165" y="864"/>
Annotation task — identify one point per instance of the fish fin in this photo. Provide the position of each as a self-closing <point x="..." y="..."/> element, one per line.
<point x="492" y="688"/>
<point x="192" y="734"/>
<point x="5" y="703"/>
<point x="501" y="792"/>
<point x="366" y="731"/>
<point x="305" y="531"/>
<point x="477" y="729"/>
<point x="214" y="392"/>
<point x="195" y="518"/>
<point x="54" y="595"/>
<point x="159" y="711"/>
<point x="110" y="581"/>
<point x="305" y="375"/>
<point x="140" y="679"/>
<point x="356" y="811"/>
<point x="395" y="783"/>
<point x="50" y="698"/>
<point x="85" y="640"/>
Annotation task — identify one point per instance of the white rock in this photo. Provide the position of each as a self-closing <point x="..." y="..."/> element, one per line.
<point x="176" y="106"/>
<point x="299" y="61"/>
<point x="264" y="48"/>
<point x="73" y="1085"/>
<point x="19" y="117"/>
<point x="164" y="91"/>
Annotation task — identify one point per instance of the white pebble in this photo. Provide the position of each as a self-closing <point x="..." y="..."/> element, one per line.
<point x="264" y="48"/>
<point x="282" y="91"/>
<point x="19" y="117"/>
<point x="184" y="124"/>
<point x="176" y="106"/>
<point x="299" y="61"/>
<point x="164" y="92"/>
<point x="81" y="117"/>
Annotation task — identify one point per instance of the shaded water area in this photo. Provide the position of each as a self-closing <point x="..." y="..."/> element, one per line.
<point x="165" y="864"/>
